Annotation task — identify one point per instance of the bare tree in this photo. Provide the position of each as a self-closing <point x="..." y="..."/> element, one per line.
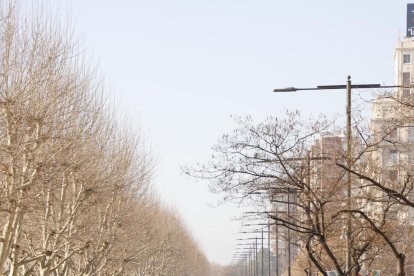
<point x="279" y="156"/>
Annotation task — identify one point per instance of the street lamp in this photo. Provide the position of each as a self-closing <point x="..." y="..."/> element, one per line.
<point x="348" y="86"/>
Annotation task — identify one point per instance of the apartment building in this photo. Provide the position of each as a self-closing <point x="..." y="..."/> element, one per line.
<point x="392" y="125"/>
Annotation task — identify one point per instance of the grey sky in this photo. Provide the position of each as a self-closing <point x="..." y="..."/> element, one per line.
<point x="181" y="67"/>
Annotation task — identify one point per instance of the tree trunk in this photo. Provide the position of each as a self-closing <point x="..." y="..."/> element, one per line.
<point x="356" y="269"/>
<point x="44" y="271"/>
<point x="401" y="265"/>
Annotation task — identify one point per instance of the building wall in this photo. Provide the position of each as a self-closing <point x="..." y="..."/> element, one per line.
<point x="404" y="65"/>
<point x="324" y="171"/>
<point x="392" y="126"/>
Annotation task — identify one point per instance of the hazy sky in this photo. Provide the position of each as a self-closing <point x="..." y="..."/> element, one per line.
<point x="180" y="68"/>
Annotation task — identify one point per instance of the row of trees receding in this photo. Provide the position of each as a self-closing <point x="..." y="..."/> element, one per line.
<point x="74" y="184"/>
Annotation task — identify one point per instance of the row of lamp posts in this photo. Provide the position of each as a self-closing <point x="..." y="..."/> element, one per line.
<point x="250" y="258"/>
<point x="251" y="267"/>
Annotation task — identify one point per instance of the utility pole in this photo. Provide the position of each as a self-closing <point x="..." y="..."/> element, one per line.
<point x="256" y="264"/>
<point x="348" y="86"/>
<point x="288" y="234"/>
<point x="268" y="245"/>
<point x="349" y="265"/>
<point x="277" y="247"/>
<point x="250" y="262"/>
<point x="262" y="256"/>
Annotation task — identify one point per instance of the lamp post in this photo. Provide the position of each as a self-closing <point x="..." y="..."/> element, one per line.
<point x="288" y="235"/>
<point x="348" y="86"/>
<point x="268" y="244"/>
<point x="262" y="256"/>
<point x="256" y="264"/>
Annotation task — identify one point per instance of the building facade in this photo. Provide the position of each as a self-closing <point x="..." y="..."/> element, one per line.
<point x="392" y="126"/>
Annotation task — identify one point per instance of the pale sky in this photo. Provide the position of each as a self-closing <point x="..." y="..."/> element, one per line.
<point x="180" y="68"/>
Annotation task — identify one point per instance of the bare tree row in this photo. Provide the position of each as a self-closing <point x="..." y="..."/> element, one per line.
<point x="74" y="184"/>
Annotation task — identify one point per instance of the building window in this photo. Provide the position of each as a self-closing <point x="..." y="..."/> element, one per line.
<point x="404" y="158"/>
<point x="410" y="134"/>
<point x="393" y="157"/>
<point x="406" y="58"/>
<point x="405" y="93"/>
<point x="406" y="78"/>
<point x="390" y="158"/>
<point x="393" y="135"/>
<point x="386" y="112"/>
<point x="393" y="175"/>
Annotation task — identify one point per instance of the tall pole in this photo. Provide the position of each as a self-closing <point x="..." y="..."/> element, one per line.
<point x="256" y="263"/>
<point x="349" y="183"/>
<point x="308" y="183"/>
<point x="262" y="256"/>
<point x="277" y="248"/>
<point x="268" y="245"/>
<point x="252" y="266"/>
<point x="288" y="234"/>
<point x="250" y="261"/>
<point x="308" y="195"/>
<point x="245" y="265"/>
